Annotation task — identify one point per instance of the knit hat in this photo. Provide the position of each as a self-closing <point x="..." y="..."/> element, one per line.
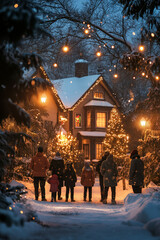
<point x="134" y="152"/>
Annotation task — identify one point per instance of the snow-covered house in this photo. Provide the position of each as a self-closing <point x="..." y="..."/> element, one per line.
<point x="85" y="101"/>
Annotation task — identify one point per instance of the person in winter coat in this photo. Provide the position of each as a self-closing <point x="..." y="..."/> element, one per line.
<point x="39" y="165"/>
<point x="87" y="179"/>
<point x="70" y="180"/>
<point x="98" y="167"/>
<point x="109" y="173"/>
<point x="136" y="174"/>
<point x="54" y="183"/>
<point x="57" y="167"/>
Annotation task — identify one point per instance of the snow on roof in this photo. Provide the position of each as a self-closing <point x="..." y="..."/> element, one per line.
<point x="81" y="61"/>
<point x="99" y="103"/>
<point x="70" y="90"/>
<point x="92" y="134"/>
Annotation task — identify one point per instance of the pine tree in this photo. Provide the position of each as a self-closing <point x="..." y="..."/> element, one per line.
<point x="116" y="142"/>
<point x="67" y="145"/>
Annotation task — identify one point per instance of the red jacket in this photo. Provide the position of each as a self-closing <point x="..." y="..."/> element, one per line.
<point x="53" y="181"/>
<point x="39" y="165"/>
<point x="87" y="177"/>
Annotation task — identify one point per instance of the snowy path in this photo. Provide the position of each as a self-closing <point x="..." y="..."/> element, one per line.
<point x="79" y="220"/>
<point x="83" y="221"/>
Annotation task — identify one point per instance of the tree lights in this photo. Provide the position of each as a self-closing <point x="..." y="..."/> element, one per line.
<point x="98" y="54"/>
<point x="141" y="48"/>
<point x="65" y="48"/>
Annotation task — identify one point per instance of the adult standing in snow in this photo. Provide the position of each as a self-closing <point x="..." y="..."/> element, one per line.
<point x="39" y="165"/>
<point x="70" y="180"/>
<point x="109" y="173"/>
<point x="98" y="167"/>
<point x="136" y="174"/>
<point x="87" y="179"/>
<point x="57" y="167"/>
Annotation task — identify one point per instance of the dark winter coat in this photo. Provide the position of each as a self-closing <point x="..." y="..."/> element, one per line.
<point x="70" y="177"/>
<point x="87" y="177"/>
<point x="98" y="168"/>
<point x="109" y="172"/>
<point x="57" y="167"/>
<point x="136" y="174"/>
<point x="53" y="181"/>
<point x="39" y="165"/>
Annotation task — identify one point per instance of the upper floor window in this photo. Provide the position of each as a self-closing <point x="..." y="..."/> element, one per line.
<point x="88" y="119"/>
<point x="101" y="119"/>
<point x="78" y="120"/>
<point x="98" y="95"/>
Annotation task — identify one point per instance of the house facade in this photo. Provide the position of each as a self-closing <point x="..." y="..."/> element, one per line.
<point x="86" y="103"/>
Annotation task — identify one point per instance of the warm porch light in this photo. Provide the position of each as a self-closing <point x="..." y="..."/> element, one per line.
<point x="43" y="99"/>
<point x="143" y="122"/>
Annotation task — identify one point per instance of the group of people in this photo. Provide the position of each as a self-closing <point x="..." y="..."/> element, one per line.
<point x="106" y="168"/>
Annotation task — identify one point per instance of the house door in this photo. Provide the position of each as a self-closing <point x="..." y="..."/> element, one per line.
<point x="86" y="151"/>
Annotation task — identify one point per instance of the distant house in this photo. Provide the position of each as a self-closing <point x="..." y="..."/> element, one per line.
<point x="86" y="102"/>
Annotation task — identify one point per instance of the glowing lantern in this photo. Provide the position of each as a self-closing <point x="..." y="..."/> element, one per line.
<point x="143" y="122"/>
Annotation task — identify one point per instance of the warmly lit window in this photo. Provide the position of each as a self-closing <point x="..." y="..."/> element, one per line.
<point x="101" y="120"/>
<point x="88" y="119"/>
<point x="86" y="151"/>
<point x="98" y="95"/>
<point x="98" y="150"/>
<point x="78" y="120"/>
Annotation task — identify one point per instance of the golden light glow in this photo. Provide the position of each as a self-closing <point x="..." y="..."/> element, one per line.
<point x="65" y="48"/>
<point x="112" y="46"/>
<point x="152" y="35"/>
<point x="55" y="65"/>
<point x="99" y="54"/>
<point x="143" y="122"/>
<point x="134" y="33"/>
<point x="115" y="75"/>
<point x="33" y="82"/>
<point x="16" y="5"/>
<point x="141" y="48"/>
<point x="86" y="31"/>
<point x="157" y="78"/>
<point x="43" y="99"/>
<point x="143" y="74"/>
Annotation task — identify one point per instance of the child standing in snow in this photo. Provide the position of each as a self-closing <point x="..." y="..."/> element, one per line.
<point x="70" y="180"/>
<point x="87" y="179"/>
<point x="54" y="183"/>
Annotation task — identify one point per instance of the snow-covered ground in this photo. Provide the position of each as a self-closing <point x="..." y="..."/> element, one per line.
<point x="138" y="218"/>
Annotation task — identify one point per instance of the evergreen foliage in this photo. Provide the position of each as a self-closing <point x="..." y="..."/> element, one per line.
<point x="116" y="141"/>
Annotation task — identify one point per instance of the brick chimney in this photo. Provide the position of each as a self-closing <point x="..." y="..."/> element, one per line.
<point x="81" y="68"/>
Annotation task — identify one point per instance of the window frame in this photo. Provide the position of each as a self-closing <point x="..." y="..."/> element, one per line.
<point x="75" y="120"/>
<point x="97" y="153"/>
<point x="104" y="118"/>
<point x="98" y="92"/>
<point x="88" y="126"/>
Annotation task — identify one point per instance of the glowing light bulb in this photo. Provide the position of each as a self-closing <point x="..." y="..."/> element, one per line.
<point x="86" y="31"/>
<point x="112" y="46"/>
<point x="141" y="48"/>
<point x="143" y="123"/>
<point x="134" y="33"/>
<point x="33" y="82"/>
<point x="157" y="77"/>
<point x="152" y="35"/>
<point x="115" y="75"/>
<point x="143" y="74"/>
<point x="65" y="48"/>
<point x="43" y="99"/>
<point x="16" y="5"/>
<point x="55" y="65"/>
<point x="99" y="54"/>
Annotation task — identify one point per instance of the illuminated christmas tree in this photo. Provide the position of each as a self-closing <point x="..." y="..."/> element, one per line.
<point x="116" y="142"/>
<point x="67" y="145"/>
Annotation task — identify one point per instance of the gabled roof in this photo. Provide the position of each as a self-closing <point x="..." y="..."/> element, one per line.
<point x="70" y="90"/>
